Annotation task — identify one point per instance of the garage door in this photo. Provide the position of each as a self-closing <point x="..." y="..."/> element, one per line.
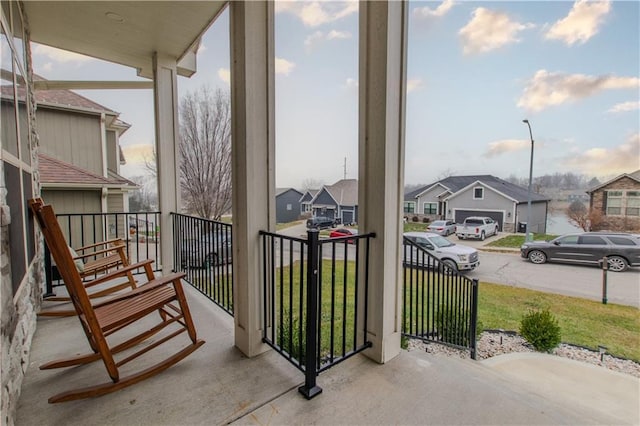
<point x="461" y="215"/>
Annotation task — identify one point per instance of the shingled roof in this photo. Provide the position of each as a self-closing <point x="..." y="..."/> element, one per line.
<point x="456" y="183"/>
<point x="55" y="171"/>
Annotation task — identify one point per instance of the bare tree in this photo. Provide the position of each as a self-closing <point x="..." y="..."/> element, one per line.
<point x="580" y="216"/>
<point x="143" y="199"/>
<point x="311" y="183"/>
<point x="205" y="149"/>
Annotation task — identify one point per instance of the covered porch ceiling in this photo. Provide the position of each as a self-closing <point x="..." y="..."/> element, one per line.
<point x="125" y="32"/>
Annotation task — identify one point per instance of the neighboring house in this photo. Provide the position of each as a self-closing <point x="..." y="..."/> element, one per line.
<point x="287" y="204"/>
<point x="619" y="202"/>
<point x="458" y="197"/>
<point x="79" y="144"/>
<point x="305" y="201"/>
<point x="339" y="201"/>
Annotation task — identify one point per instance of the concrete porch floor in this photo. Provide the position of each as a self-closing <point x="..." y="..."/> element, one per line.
<point x="218" y="385"/>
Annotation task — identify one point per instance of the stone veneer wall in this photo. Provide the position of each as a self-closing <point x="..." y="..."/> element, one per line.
<point x="18" y="312"/>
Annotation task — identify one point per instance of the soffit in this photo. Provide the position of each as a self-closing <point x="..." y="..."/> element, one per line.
<point x="94" y="28"/>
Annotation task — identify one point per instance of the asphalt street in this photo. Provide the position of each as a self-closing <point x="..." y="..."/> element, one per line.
<point x="570" y="280"/>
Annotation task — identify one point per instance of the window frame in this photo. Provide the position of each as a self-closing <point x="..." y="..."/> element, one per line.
<point x="433" y="210"/>
<point x="481" y="197"/>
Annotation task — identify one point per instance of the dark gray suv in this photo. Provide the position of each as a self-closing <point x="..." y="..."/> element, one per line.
<point x="589" y="248"/>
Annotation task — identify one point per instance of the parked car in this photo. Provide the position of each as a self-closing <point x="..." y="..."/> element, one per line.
<point x="478" y="227"/>
<point x="209" y="250"/>
<point x="320" y="222"/>
<point x="343" y="232"/>
<point x="589" y="248"/>
<point x="455" y="256"/>
<point x="442" y="227"/>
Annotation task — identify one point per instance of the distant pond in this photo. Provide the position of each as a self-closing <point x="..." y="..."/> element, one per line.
<point x="558" y="223"/>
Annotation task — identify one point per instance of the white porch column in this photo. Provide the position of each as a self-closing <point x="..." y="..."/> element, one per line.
<point x="165" y="101"/>
<point x="253" y="153"/>
<point x="382" y="90"/>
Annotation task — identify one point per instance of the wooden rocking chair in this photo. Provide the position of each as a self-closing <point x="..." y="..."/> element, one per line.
<point x="109" y="263"/>
<point x="164" y="295"/>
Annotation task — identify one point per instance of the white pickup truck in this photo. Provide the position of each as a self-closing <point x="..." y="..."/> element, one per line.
<point x="478" y="227"/>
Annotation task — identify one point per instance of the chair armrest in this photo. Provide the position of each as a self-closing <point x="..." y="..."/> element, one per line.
<point x="102" y="243"/>
<point x="173" y="278"/>
<point x="97" y="252"/>
<point x="118" y="273"/>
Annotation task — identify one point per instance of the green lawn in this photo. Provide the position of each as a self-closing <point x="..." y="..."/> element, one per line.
<point x="415" y="227"/>
<point x="582" y="322"/>
<point x="515" y="241"/>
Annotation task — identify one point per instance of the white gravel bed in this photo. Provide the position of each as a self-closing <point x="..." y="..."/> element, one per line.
<point x="497" y="343"/>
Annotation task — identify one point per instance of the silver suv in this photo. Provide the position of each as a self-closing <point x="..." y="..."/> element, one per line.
<point x="589" y="248"/>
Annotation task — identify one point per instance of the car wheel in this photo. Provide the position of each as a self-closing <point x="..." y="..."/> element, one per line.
<point x="482" y="236"/>
<point x="537" y="257"/>
<point x="451" y="266"/>
<point x="617" y="264"/>
<point x="459" y="237"/>
<point x="211" y="260"/>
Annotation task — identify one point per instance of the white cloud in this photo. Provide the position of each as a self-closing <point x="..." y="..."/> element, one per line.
<point x="225" y="75"/>
<point x="58" y="55"/>
<point x="414" y="84"/>
<point x="335" y="34"/>
<point x="625" y="107"/>
<point x="351" y="83"/>
<point x="488" y="30"/>
<point x="137" y="153"/>
<point x="608" y="161"/>
<point x="316" y="13"/>
<point x="546" y="89"/>
<point x="283" y="66"/>
<point x="426" y="12"/>
<point x="497" y="148"/>
<point x="317" y="37"/>
<point x="583" y="22"/>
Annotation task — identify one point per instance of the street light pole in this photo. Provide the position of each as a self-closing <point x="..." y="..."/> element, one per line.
<point x="527" y="236"/>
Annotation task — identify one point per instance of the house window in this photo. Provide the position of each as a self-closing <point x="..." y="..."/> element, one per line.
<point x="15" y="156"/>
<point x="289" y="207"/>
<point x="478" y="193"/>
<point x="633" y="203"/>
<point x="409" y="207"/>
<point x="430" y="208"/>
<point x="614" y="203"/>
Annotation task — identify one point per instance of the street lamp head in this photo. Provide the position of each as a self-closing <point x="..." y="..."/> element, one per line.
<point x="525" y="121"/>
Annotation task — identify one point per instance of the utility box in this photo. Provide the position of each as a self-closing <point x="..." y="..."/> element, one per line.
<point x="522" y="227"/>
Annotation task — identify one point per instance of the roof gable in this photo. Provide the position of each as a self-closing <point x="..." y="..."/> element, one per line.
<point x="634" y="175"/>
<point x="458" y="183"/>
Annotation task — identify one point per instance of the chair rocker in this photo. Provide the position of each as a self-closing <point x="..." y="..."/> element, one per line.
<point x="104" y="319"/>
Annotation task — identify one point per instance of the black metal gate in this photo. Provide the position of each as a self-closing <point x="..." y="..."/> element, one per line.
<point x="440" y="304"/>
<point x="315" y="300"/>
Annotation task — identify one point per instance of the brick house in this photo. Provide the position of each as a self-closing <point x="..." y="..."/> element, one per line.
<point x="619" y="202"/>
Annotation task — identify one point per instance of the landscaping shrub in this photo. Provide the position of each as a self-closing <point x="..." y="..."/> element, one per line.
<point x="541" y="329"/>
<point x="291" y="343"/>
<point x="414" y="219"/>
<point x="425" y="220"/>
<point x="452" y="325"/>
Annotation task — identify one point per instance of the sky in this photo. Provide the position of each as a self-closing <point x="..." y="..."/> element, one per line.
<point x="475" y="71"/>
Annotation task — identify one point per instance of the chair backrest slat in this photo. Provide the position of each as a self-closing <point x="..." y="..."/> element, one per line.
<point x="62" y="255"/>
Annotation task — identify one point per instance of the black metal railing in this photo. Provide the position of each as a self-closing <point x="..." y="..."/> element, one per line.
<point x="139" y="230"/>
<point x="315" y="300"/>
<point x="202" y="248"/>
<point x="440" y="304"/>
